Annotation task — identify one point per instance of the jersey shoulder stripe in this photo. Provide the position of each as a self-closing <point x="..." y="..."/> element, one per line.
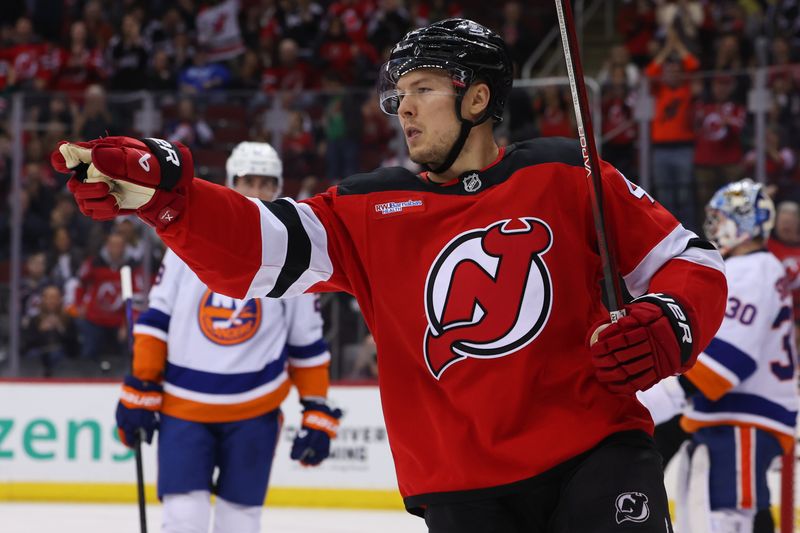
<point x="731" y="357"/>
<point x="517" y="156"/>
<point x="298" y="250"/>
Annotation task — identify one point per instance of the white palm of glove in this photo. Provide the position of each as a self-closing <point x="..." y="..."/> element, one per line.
<point x="128" y="195"/>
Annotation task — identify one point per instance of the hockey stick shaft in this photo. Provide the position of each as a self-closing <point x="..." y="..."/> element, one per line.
<point x="591" y="161"/>
<point x="126" y="281"/>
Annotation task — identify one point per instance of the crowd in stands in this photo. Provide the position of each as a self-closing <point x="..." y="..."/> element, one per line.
<point x="301" y="74"/>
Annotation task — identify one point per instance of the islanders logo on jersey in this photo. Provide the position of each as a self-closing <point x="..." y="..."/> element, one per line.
<point x="488" y="293"/>
<point x="225" y="320"/>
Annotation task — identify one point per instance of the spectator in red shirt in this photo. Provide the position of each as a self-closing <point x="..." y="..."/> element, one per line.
<point x="96" y="24"/>
<point x="79" y="65"/>
<point x="718" y="151"/>
<point x="672" y="129"/>
<point x="619" y="128"/>
<point x="25" y="54"/>
<point x="424" y="12"/>
<point x="354" y="15"/>
<point x="636" y="22"/>
<point x="376" y="134"/>
<point x="291" y="72"/>
<point x="336" y="51"/>
<point x="784" y="243"/>
<point x="298" y="151"/>
<point x="98" y="300"/>
<point x="555" y="118"/>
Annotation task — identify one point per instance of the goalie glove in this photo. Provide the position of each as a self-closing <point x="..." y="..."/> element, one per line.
<point x="653" y="341"/>
<point x="120" y="175"/>
<point x="320" y="424"/>
<point x="137" y="410"/>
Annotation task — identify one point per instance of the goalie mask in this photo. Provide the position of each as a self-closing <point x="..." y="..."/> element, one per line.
<point x="254" y="159"/>
<point x="737" y="213"/>
<point x="468" y="52"/>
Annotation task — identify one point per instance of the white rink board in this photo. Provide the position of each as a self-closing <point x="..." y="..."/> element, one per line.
<point x="65" y="433"/>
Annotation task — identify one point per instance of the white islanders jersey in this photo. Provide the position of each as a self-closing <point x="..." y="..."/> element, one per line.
<point x="747" y="375"/>
<point x="227" y="359"/>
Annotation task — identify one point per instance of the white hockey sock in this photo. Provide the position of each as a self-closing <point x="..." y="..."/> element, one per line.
<point x="186" y="513"/>
<point x="235" y="518"/>
<point x="732" y="521"/>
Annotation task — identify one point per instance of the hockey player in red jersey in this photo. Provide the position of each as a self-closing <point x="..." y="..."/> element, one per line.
<point x="480" y="281"/>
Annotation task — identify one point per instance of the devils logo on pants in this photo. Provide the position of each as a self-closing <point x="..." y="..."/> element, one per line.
<point x="488" y="293"/>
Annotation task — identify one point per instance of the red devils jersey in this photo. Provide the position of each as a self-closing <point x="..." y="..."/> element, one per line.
<point x="789" y="255"/>
<point x="719" y="133"/>
<point x="480" y="294"/>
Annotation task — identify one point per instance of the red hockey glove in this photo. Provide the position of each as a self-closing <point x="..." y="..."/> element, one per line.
<point x="122" y="175"/>
<point x="313" y="442"/>
<point x="653" y="341"/>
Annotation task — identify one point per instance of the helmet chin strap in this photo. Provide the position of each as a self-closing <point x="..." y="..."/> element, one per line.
<point x="458" y="145"/>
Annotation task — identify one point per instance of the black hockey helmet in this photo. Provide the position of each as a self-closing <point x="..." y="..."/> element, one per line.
<point x="467" y="50"/>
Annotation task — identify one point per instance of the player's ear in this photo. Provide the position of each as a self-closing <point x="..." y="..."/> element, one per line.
<point x="475" y="101"/>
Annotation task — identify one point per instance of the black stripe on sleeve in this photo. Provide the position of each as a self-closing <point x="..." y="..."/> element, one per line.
<point x="703" y="244"/>
<point x="298" y="246"/>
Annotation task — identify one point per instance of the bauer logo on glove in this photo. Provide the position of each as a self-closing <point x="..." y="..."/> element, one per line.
<point x="320" y="424"/>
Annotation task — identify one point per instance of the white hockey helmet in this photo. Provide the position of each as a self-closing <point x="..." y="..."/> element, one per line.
<point x="255" y="159"/>
<point x="738" y="212"/>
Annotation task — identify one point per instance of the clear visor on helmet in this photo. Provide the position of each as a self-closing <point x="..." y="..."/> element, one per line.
<point x="390" y="96"/>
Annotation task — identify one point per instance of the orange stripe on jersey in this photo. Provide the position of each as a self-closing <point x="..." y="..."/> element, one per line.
<point x="311" y="381"/>
<point x="712" y="385"/>
<point x="208" y="413"/>
<point x="745" y="466"/>
<point x="149" y="357"/>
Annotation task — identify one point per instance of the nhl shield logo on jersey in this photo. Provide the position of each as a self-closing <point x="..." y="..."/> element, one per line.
<point x="472" y="182"/>
<point x="632" y="507"/>
<point x="488" y="293"/>
<point x="225" y="320"/>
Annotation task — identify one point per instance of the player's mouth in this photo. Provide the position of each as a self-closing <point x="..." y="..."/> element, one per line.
<point x="412" y="133"/>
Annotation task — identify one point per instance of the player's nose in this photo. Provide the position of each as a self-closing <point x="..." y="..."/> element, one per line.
<point x="406" y="107"/>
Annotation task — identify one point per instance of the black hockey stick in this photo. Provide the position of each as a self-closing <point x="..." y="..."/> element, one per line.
<point x="127" y="296"/>
<point x="591" y="161"/>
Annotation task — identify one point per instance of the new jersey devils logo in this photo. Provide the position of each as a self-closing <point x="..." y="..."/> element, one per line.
<point x="488" y="293"/>
<point x="632" y="507"/>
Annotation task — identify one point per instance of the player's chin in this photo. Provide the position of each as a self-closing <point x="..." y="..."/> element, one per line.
<point x="424" y="158"/>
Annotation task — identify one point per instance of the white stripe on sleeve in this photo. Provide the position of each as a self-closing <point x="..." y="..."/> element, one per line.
<point x="673" y="246"/>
